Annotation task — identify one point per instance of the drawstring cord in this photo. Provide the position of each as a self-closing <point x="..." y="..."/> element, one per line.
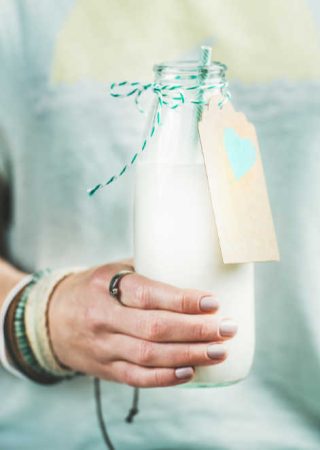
<point x="129" y="419"/>
<point x="102" y="425"/>
<point x="134" y="408"/>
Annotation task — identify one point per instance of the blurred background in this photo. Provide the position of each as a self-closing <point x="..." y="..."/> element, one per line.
<point x="260" y="41"/>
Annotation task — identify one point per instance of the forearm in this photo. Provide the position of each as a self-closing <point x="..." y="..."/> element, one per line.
<point x="9" y="277"/>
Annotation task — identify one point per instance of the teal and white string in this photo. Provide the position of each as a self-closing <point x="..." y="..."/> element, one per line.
<point x="169" y="95"/>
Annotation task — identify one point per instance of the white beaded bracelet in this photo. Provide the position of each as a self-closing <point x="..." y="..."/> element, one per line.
<point x="4" y="357"/>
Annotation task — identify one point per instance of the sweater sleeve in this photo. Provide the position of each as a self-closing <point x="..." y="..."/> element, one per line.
<point x="10" y="74"/>
<point x="3" y="159"/>
<point x="4" y="193"/>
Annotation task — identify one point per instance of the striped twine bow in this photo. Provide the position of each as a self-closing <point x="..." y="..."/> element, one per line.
<point x="170" y="96"/>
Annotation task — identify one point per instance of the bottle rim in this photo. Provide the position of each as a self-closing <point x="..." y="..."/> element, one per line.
<point x="186" y="68"/>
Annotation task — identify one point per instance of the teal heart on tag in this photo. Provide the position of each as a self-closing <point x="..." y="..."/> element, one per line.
<point x="241" y="152"/>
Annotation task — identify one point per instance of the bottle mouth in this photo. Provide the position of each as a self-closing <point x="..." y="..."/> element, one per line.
<point x="186" y="69"/>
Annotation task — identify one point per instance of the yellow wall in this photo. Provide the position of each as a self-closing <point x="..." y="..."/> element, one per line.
<point x="260" y="40"/>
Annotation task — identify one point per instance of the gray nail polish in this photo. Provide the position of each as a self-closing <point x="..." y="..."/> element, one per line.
<point x="184" y="372"/>
<point x="216" y="351"/>
<point x="228" y="328"/>
<point x="208" y="303"/>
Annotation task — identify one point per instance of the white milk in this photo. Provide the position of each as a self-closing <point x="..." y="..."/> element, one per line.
<point x="176" y="242"/>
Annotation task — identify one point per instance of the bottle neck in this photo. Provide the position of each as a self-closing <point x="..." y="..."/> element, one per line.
<point x="182" y="89"/>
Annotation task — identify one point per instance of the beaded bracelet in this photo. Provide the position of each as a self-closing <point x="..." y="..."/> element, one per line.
<point x="21" y="337"/>
<point x="19" y="325"/>
<point x="32" y="372"/>
<point x="26" y="330"/>
<point x="5" y="358"/>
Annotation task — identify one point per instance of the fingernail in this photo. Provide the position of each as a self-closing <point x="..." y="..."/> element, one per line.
<point x="184" y="372"/>
<point x="216" y="351"/>
<point x="228" y="328"/>
<point x="208" y="304"/>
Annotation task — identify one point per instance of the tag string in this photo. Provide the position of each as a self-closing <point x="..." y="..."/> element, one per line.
<point x="171" y="96"/>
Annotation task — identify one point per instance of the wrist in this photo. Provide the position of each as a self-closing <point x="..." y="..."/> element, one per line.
<point x="10" y="298"/>
<point x="9" y="280"/>
<point x="17" y="340"/>
<point x="25" y="328"/>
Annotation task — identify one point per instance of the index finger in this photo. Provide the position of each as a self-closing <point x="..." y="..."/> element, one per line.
<point x="141" y="292"/>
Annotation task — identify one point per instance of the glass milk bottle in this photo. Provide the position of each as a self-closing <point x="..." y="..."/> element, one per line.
<point x="176" y="240"/>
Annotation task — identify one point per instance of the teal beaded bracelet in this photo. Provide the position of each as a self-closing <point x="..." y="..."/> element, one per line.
<point x="20" y="329"/>
<point x="14" y="352"/>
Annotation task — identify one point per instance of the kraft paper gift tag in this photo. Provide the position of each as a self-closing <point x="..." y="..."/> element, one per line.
<point x="237" y="186"/>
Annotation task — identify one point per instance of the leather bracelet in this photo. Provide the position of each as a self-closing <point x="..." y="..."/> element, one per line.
<point x="34" y="359"/>
<point x="12" y="346"/>
<point x="4" y="354"/>
<point x="37" y="326"/>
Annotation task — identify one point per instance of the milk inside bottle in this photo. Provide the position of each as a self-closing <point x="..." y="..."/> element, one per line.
<point x="176" y="240"/>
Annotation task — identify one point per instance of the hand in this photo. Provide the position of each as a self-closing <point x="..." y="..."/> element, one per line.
<point x="155" y="340"/>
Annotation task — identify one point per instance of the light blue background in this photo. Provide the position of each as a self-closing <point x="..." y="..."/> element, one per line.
<point x="59" y="138"/>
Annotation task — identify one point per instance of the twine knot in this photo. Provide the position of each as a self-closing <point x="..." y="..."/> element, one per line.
<point x="168" y="95"/>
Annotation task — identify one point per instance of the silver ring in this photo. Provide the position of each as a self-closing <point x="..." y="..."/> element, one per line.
<point x="114" y="289"/>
